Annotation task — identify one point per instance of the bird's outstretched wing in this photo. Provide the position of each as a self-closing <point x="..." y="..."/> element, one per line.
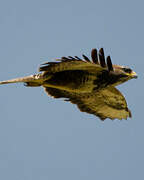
<point x="105" y="103"/>
<point x="97" y="63"/>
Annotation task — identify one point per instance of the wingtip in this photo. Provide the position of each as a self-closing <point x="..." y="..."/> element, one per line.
<point x="102" y="57"/>
<point x="94" y="56"/>
<point x="109" y="64"/>
<point x="86" y="58"/>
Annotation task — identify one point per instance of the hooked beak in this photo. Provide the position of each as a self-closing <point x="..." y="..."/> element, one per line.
<point x="134" y="75"/>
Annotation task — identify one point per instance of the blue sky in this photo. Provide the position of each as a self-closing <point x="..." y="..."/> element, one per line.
<point x="43" y="138"/>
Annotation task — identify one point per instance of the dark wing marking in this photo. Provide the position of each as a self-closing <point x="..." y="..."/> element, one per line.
<point x="102" y="58"/>
<point x="86" y="58"/>
<point x="106" y="103"/>
<point x="94" y="56"/>
<point x="78" y="58"/>
<point x="109" y="64"/>
<point x="70" y="57"/>
<point x="65" y="58"/>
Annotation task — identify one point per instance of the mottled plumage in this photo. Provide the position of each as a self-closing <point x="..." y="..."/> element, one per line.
<point x="88" y="83"/>
<point x="104" y="103"/>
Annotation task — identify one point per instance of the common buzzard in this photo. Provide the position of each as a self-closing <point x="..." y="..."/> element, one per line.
<point x="88" y="83"/>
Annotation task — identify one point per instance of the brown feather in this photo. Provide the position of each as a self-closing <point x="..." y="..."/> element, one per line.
<point x="109" y="64"/>
<point x="77" y="58"/>
<point x="86" y="58"/>
<point x="70" y="57"/>
<point x="102" y="58"/>
<point x="94" y="56"/>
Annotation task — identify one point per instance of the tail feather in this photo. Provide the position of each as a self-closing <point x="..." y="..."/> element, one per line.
<point x="27" y="79"/>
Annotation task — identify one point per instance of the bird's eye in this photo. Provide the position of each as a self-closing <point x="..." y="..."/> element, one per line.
<point x="127" y="70"/>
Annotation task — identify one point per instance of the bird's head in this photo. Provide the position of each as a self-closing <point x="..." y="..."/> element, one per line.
<point x="124" y="73"/>
<point x="116" y="73"/>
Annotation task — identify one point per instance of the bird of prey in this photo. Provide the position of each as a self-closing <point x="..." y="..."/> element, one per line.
<point x="88" y="83"/>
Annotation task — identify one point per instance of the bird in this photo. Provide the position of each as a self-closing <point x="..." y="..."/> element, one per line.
<point x="89" y="83"/>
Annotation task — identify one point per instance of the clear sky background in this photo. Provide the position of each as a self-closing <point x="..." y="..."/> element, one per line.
<point x="47" y="139"/>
